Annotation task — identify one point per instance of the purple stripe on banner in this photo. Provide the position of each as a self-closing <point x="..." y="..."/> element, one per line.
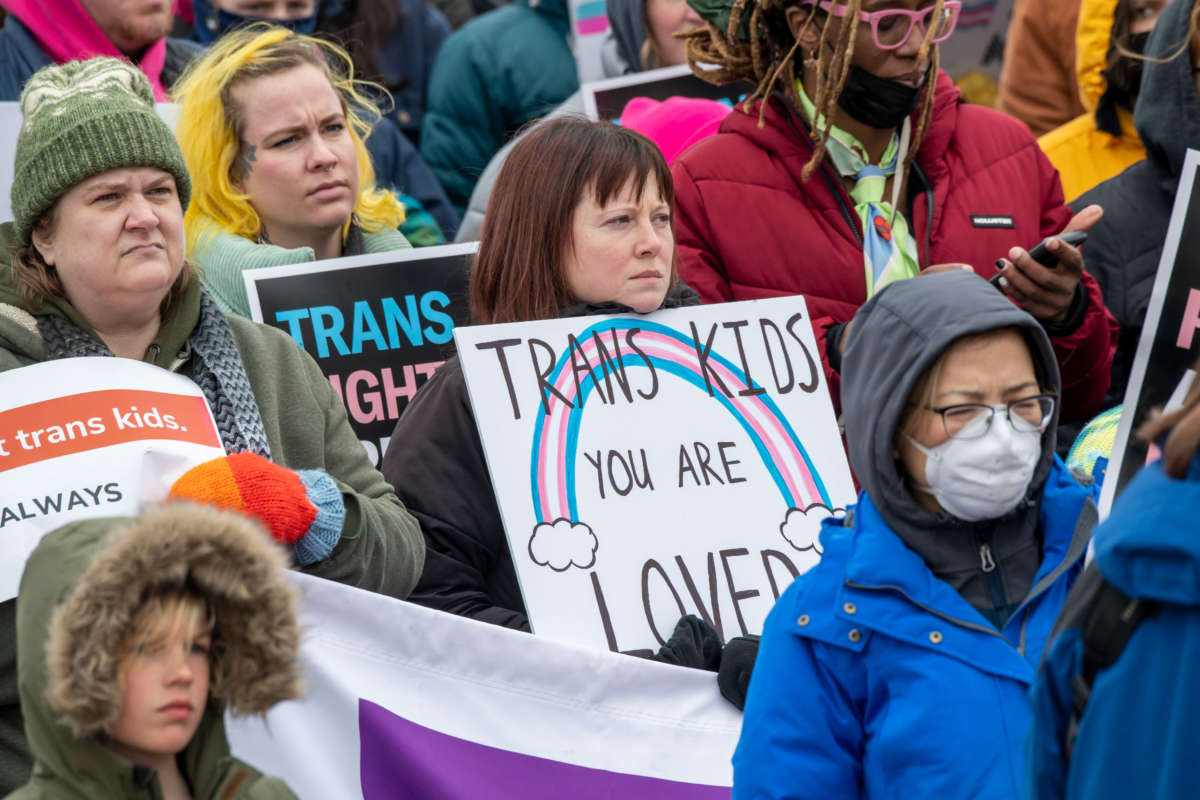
<point x="593" y="25"/>
<point x="402" y="759"/>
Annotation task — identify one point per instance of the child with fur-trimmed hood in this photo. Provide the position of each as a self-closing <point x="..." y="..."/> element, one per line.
<point x="133" y="638"/>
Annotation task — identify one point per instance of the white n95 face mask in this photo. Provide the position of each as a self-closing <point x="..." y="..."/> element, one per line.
<point x="982" y="478"/>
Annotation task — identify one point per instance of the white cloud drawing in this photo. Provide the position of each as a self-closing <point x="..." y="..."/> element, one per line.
<point x="802" y="527"/>
<point x="563" y="544"/>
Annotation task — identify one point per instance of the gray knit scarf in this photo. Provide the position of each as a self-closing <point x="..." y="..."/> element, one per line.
<point x="215" y="366"/>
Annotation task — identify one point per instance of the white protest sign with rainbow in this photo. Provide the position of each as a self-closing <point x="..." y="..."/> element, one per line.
<point x="652" y="466"/>
<point x="91" y="437"/>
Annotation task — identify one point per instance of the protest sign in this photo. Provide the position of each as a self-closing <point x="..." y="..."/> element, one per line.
<point x="589" y="26"/>
<point x="606" y="99"/>
<point x="91" y="437"/>
<point x="651" y="466"/>
<point x="977" y="46"/>
<point x="378" y="325"/>
<point x="1169" y="345"/>
<point x="10" y="127"/>
<point x="404" y="701"/>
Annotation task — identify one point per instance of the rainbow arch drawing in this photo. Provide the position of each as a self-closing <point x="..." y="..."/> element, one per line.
<point x="556" y="434"/>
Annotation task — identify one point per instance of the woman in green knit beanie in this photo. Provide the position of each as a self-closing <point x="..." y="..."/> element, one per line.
<point x="98" y="269"/>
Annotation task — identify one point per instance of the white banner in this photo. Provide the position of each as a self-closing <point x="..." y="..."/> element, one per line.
<point x="652" y="466"/>
<point x="91" y="437"/>
<point x="406" y="702"/>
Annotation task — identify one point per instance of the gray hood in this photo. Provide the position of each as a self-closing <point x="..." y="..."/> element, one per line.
<point x="894" y="338"/>
<point x="628" y="30"/>
<point x="1167" y="116"/>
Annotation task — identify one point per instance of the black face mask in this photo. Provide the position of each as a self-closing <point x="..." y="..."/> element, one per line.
<point x="1137" y="42"/>
<point x="1124" y="73"/>
<point x="878" y="102"/>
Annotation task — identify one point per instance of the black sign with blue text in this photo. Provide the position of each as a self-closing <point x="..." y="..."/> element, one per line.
<point x="378" y="325"/>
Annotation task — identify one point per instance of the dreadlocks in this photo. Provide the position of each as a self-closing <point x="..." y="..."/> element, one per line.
<point x="762" y="52"/>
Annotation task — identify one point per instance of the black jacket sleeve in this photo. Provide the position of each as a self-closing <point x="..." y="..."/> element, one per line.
<point x="435" y="461"/>
<point x="1122" y="254"/>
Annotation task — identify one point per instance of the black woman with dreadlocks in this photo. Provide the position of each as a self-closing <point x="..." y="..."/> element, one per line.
<point x="853" y="163"/>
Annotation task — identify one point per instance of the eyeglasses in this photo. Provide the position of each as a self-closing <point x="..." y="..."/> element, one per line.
<point x="891" y="27"/>
<point x="973" y="420"/>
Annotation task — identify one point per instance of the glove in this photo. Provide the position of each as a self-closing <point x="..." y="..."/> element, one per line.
<point x="737" y="662"/>
<point x="694" y="643"/>
<point x="303" y="509"/>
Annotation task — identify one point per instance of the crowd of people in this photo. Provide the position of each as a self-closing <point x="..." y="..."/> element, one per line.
<point x="954" y="639"/>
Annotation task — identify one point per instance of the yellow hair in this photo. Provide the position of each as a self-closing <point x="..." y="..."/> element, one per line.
<point x="210" y="143"/>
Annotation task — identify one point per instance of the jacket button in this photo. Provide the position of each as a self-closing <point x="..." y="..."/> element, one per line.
<point x="803" y="620"/>
<point x="855" y="635"/>
<point x="850" y="608"/>
<point x="936" y="637"/>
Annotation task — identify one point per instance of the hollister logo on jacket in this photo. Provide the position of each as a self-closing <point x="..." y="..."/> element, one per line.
<point x="992" y="221"/>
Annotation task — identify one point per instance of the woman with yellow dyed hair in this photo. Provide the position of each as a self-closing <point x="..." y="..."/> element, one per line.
<point x="272" y="125"/>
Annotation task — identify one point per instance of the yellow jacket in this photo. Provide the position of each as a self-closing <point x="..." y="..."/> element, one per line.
<point x="1084" y="154"/>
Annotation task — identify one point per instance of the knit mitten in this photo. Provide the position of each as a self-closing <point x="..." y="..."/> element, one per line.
<point x="301" y="508"/>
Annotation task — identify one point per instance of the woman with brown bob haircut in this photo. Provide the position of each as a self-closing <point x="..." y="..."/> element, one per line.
<point x="579" y="223"/>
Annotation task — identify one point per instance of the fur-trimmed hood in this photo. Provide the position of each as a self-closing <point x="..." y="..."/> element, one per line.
<point x="81" y="589"/>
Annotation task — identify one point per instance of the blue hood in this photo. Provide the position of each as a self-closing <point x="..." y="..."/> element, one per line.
<point x="1149" y="547"/>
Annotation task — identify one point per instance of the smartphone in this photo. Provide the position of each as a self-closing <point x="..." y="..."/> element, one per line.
<point x="1042" y="254"/>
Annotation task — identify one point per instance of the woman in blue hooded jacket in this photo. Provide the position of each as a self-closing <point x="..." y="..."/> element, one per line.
<point x="899" y="666"/>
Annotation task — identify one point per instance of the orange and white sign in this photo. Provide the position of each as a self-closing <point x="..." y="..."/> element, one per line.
<point x="91" y="437"/>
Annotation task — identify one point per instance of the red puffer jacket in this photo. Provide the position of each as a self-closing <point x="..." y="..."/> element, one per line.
<point x="747" y="226"/>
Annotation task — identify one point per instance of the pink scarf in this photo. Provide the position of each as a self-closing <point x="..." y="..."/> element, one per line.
<point x="66" y="33"/>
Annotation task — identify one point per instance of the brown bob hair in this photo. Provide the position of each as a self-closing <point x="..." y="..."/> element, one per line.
<point x="519" y="273"/>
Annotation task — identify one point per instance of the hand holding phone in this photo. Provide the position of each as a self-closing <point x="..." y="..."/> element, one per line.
<point x="1048" y="291"/>
<point x="1042" y="254"/>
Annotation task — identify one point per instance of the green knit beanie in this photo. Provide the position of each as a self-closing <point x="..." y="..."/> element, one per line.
<point x="80" y="119"/>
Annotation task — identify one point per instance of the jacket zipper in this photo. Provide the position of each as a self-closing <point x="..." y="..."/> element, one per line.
<point x="836" y="187"/>
<point x="986" y="562"/>
<point x="927" y="190"/>
<point x="995" y="577"/>
<point x="1075" y="551"/>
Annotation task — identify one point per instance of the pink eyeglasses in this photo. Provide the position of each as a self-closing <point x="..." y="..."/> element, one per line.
<point x="891" y="27"/>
